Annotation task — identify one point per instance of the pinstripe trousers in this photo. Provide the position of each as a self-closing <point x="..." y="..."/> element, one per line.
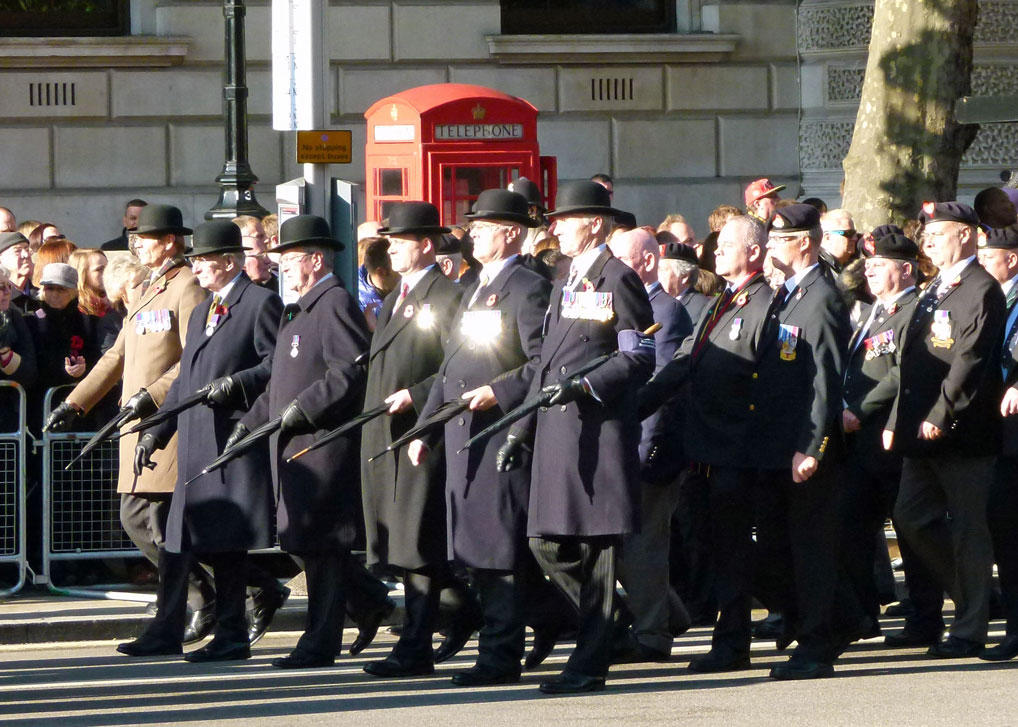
<point x="583" y="568"/>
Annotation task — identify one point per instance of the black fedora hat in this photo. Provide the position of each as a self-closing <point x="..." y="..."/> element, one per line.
<point x="583" y="197"/>
<point x="413" y="218"/>
<point x="528" y="188"/>
<point x="160" y="219"/>
<point x="306" y="231"/>
<point x="216" y="238"/>
<point x="501" y="205"/>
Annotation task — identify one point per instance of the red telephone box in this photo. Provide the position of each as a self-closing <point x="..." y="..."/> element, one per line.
<point x="446" y="143"/>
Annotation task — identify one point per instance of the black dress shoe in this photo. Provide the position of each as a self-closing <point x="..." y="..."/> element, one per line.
<point x="954" y="648"/>
<point x="908" y="637"/>
<point x="265" y="606"/>
<point x="149" y="646"/>
<point x="544" y="642"/>
<point x="299" y="659"/>
<point x="456" y="637"/>
<point x="367" y="626"/>
<point x="395" y="667"/>
<point x="713" y="662"/>
<point x="796" y="668"/>
<point x="201" y="623"/>
<point x="1006" y="649"/>
<point x="220" y="650"/>
<point x="901" y="609"/>
<point x="637" y="653"/>
<point x="483" y="676"/>
<point x="571" y="682"/>
<point x="771" y="627"/>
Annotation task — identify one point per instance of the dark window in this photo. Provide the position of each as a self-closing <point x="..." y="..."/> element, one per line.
<point x="520" y="17"/>
<point x="64" y="17"/>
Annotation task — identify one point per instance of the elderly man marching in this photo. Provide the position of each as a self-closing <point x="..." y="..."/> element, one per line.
<point x="146" y="356"/>
<point x="585" y="487"/>
<point x="489" y="362"/>
<point x="219" y="516"/>
<point x="316" y="384"/>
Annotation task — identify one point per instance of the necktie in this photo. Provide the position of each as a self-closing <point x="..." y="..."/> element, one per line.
<point x="724" y="300"/>
<point x="864" y="329"/>
<point x="216" y="300"/>
<point x="482" y="283"/>
<point x="404" y="291"/>
<point x="571" y="280"/>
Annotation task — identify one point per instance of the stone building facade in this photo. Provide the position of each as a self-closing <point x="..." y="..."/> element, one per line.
<point x="739" y="90"/>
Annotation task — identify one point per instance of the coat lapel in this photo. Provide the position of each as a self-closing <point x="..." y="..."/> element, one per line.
<point x="499" y="287"/>
<point x="236" y="292"/>
<point x="398" y="321"/>
<point x="594" y="277"/>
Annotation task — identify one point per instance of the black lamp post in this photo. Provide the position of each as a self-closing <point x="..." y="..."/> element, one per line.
<point x="236" y="181"/>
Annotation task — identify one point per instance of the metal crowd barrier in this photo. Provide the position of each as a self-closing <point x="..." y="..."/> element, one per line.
<point x="81" y="507"/>
<point x="13" y="452"/>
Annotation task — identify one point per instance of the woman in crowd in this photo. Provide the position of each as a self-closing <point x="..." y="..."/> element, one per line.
<point x="51" y="251"/>
<point x="17" y="350"/>
<point x="44" y="232"/>
<point x="92" y="300"/>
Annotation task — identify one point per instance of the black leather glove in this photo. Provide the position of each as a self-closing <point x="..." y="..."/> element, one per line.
<point x="141" y="405"/>
<point x="61" y="419"/>
<point x="510" y="454"/>
<point x="143" y="452"/>
<point x="224" y="392"/>
<point x="294" y="420"/>
<point x="238" y="433"/>
<point x="564" y="391"/>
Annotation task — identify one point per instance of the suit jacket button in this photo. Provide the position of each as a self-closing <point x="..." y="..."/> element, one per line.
<point x="563" y="407"/>
<point x="462" y="384"/>
<point x="584" y="338"/>
<point x="444" y="379"/>
<point x="906" y="392"/>
<point x="756" y="375"/>
<point x="562" y="370"/>
<point x="752" y="407"/>
<point x="471" y="347"/>
<point x="460" y="421"/>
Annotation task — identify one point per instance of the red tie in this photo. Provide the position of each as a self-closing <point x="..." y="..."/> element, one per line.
<point x="404" y="291"/>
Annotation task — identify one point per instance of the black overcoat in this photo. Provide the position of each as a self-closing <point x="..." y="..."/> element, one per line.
<point x="486" y="509"/>
<point x="585" y="473"/>
<point x="404" y="506"/>
<point x="230" y="509"/>
<point x="317" y="496"/>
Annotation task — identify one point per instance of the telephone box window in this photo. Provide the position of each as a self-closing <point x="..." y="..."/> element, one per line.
<point x="539" y="17"/>
<point x="390" y="182"/>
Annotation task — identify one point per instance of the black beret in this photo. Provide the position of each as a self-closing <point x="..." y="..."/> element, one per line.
<point x="680" y="251"/>
<point x="948" y="212"/>
<point x="896" y="247"/>
<point x="1005" y="238"/>
<point x="449" y="244"/>
<point x="796" y="218"/>
<point x="884" y="230"/>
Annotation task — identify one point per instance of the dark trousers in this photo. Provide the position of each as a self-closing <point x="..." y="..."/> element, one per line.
<point x="364" y="593"/>
<point x="229" y="571"/>
<point x="867" y="498"/>
<point x="941" y="510"/>
<point x="791" y="564"/>
<point x="692" y="559"/>
<point x="501" y="640"/>
<point x="424" y="588"/>
<point x="323" y="624"/>
<point x="583" y="569"/>
<point x="143" y="517"/>
<point x="1003" y="521"/>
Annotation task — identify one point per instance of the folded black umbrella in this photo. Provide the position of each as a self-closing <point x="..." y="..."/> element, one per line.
<point x="358" y="421"/>
<point x="168" y="412"/>
<point x="446" y="411"/>
<point x="110" y="430"/>
<point x="259" y="433"/>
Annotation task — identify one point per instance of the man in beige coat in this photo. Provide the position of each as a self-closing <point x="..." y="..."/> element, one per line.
<point x="146" y="357"/>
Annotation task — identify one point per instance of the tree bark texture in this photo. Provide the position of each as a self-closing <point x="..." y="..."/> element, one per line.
<point x="906" y="146"/>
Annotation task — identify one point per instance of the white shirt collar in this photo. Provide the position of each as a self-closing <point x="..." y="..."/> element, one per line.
<point x="412" y="279"/>
<point x="948" y="276"/>
<point x="583" y="262"/>
<point x="793" y="282"/>
<point x="1008" y="285"/>
<point x="491" y="270"/>
<point x="895" y="299"/>
<point x="227" y="288"/>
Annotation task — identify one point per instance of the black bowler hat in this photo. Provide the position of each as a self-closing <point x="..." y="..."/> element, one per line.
<point x="796" y="218"/>
<point x="680" y="251"/>
<point x="625" y="219"/>
<point x="160" y="219"/>
<point x="585" y="197"/>
<point x="216" y="238"/>
<point x="948" y="212"/>
<point x="501" y="205"/>
<point x="1005" y="238"/>
<point x="448" y="244"/>
<point x="10" y="239"/>
<point x="414" y="218"/>
<point x="528" y="188"/>
<point x="896" y="247"/>
<point x="306" y="231"/>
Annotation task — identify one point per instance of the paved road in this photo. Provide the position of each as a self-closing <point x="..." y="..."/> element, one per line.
<point x="88" y="684"/>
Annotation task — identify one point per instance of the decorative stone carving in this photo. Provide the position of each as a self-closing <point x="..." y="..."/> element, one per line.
<point x="834" y="26"/>
<point x="844" y="84"/>
<point x="997" y="21"/>
<point x="823" y="144"/>
<point x="996" y="145"/>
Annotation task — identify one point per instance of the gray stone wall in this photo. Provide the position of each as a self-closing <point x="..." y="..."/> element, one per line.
<point x="698" y="125"/>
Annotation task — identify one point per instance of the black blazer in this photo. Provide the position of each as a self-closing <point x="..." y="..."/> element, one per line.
<point x="487" y="509"/>
<point x="951" y="369"/>
<point x="404" y="506"/>
<point x="1009" y="369"/>
<point x="230" y="509"/>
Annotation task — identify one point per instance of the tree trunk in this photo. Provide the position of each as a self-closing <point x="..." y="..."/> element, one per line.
<point x="906" y="146"/>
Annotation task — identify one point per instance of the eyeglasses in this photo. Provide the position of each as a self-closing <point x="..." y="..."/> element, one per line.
<point x="785" y="238"/>
<point x="6" y="287"/>
<point x="293" y="258"/>
<point x="843" y="233"/>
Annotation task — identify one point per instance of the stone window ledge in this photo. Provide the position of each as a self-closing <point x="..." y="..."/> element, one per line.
<point x="136" y="51"/>
<point x="625" y="48"/>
